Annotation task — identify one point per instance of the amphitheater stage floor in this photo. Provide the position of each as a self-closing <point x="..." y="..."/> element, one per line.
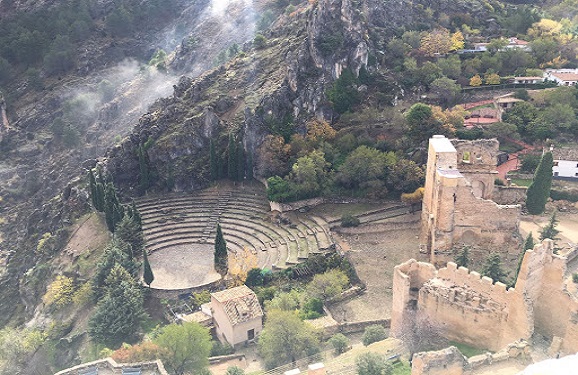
<point x="183" y="266"/>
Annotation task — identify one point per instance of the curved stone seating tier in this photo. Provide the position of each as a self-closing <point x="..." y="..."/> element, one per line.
<point x="245" y="217"/>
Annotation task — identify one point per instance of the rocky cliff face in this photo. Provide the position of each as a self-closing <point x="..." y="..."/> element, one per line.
<point x="305" y="52"/>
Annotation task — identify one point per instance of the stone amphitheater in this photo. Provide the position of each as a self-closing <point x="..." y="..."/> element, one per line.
<point x="180" y="233"/>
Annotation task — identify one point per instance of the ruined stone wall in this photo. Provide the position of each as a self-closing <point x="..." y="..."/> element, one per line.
<point x="468" y="308"/>
<point x="509" y="194"/>
<point x="477" y="219"/>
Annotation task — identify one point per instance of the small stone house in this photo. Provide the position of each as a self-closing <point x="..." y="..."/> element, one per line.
<point x="562" y="77"/>
<point x="237" y="315"/>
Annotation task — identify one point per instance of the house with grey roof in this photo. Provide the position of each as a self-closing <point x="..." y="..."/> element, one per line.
<point x="237" y="315"/>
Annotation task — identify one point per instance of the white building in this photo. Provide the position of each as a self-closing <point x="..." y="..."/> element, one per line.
<point x="531" y="80"/>
<point x="562" y="77"/>
<point x="565" y="162"/>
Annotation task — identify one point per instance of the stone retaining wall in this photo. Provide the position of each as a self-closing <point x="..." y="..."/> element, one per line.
<point x="509" y="194"/>
<point x="175" y="293"/>
<point x="150" y="367"/>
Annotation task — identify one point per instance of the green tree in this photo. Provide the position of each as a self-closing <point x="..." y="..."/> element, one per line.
<point x="373" y="333"/>
<point x="405" y="176"/>
<point x="529" y="242"/>
<point x="339" y="342"/>
<point x="285" y="339"/>
<point x="529" y="162"/>
<point x="344" y="94"/>
<point x="278" y="189"/>
<point x="148" y="275"/>
<point x="528" y="245"/>
<point x="362" y="165"/>
<point x="422" y="124"/>
<point x="521" y="115"/>
<point x="462" y="259"/>
<point x="493" y="268"/>
<point x="240" y="162"/>
<point x="309" y="174"/>
<point x="113" y="210"/>
<point x="114" y="254"/>
<point x="92" y="189"/>
<point x="327" y="285"/>
<point x="119" y="314"/>
<point x="446" y="89"/>
<point x="539" y="189"/>
<point x="254" y="277"/>
<point x="221" y="260"/>
<point x="550" y="231"/>
<point x="186" y="347"/>
<point x="372" y="364"/>
<point x="129" y="231"/>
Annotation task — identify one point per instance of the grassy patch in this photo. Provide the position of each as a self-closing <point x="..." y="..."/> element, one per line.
<point x="401" y="368"/>
<point x="521" y="182"/>
<point x="467" y="350"/>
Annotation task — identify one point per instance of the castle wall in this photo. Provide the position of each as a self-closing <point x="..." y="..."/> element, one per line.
<point x="468" y="308"/>
<point x="471" y="309"/>
<point x="509" y="194"/>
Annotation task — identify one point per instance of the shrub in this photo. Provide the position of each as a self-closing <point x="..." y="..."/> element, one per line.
<point x="557" y="195"/>
<point x="260" y="41"/>
<point x="349" y="220"/>
<point x="372" y="364"/>
<point x="339" y="342"/>
<point x="575" y="277"/>
<point x="254" y="277"/>
<point x="219" y="348"/>
<point x="311" y="309"/>
<point x="373" y="333"/>
<point x="499" y="182"/>
<point x="235" y="370"/>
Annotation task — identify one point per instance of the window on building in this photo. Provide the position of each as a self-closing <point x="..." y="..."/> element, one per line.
<point x="466" y="157"/>
<point x="555" y="163"/>
<point x="555" y="173"/>
<point x="576" y="174"/>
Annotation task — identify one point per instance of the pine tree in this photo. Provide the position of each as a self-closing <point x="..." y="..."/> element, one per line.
<point x="539" y="189"/>
<point x="119" y="314"/>
<point x="232" y="161"/>
<point x="127" y="230"/>
<point x="550" y="231"/>
<point x="493" y="268"/>
<point x="214" y="162"/>
<point x="220" y="252"/>
<point x="136" y="215"/>
<point x="463" y="257"/>
<point x="148" y="275"/>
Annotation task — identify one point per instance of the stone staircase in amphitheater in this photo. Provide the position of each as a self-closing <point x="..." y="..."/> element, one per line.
<point x="246" y="220"/>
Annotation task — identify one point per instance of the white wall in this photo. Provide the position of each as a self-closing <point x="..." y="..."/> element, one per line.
<point x="565" y="168"/>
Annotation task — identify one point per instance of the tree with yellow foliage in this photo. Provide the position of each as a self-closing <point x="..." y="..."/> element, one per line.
<point x="457" y="41"/>
<point x="241" y="264"/>
<point x="414" y="198"/>
<point x="60" y="292"/>
<point x="476" y="81"/>
<point x="319" y="130"/>
<point x="545" y="27"/>
<point x="492" y="79"/>
<point x="436" y="42"/>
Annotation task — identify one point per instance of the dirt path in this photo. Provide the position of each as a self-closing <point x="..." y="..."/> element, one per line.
<point x="374" y="255"/>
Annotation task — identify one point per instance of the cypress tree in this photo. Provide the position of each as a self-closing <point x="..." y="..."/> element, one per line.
<point x="113" y="211"/>
<point x="99" y="197"/>
<point x="136" y="215"/>
<point x="529" y="243"/>
<point x="214" y="162"/>
<point x="539" y="189"/>
<point x="232" y="161"/>
<point x="240" y="162"/>
<point x="220" y="252"/>
<point x="92" y="188"/>
<point x="148" y="275"/>
<point x="144" y="177"/>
